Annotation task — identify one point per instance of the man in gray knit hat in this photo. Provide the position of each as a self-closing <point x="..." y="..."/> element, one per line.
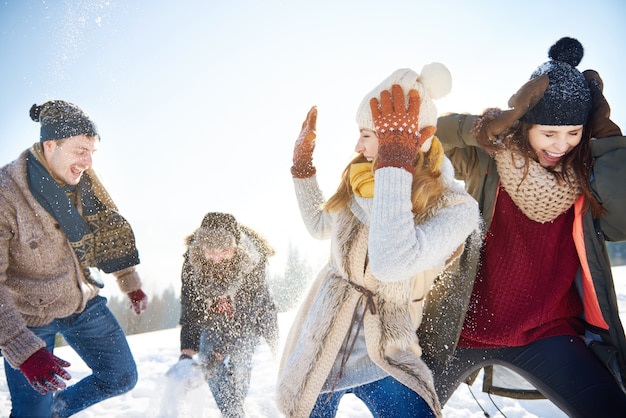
<point x="57" y="223"/>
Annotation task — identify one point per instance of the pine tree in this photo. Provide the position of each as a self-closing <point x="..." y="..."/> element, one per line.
<point x="288" y="288"/>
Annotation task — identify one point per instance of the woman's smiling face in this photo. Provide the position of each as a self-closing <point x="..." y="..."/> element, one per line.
<point x="552" y="143"/>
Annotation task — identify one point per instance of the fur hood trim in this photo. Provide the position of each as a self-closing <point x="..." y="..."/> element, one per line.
<point x="252" y="250"/>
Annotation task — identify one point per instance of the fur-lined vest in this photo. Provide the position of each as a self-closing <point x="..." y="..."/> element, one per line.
<point x="326" y="316"/>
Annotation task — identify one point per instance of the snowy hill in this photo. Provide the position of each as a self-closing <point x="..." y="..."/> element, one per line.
<point x="157" y="396"/>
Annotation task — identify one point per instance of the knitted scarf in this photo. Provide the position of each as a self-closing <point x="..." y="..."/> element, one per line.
<point x="100" y="237"/>
<point x="362" y="179"/>
<point x="540" y="195"/>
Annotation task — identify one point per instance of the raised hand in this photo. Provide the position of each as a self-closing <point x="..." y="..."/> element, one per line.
<point x="599" y="123"/>
<point x="397" y="128"/>
<point x="520" y="103"/>
<point x="305" y="145"/>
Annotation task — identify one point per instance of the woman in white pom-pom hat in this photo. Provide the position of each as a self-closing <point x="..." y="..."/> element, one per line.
<point x="396" y="221"/>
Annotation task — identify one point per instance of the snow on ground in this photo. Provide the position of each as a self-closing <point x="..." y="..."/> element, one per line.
<point x="158" y="396"/>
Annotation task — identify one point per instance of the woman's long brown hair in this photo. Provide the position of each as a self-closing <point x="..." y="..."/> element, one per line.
<point x="579" y="159"/>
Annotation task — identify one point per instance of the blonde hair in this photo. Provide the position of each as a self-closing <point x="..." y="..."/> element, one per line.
<point x="426" y="188"/>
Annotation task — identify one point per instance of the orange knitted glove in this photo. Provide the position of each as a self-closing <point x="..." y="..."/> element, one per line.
<point x="599" y="123"/>
<point x="396" y="127"/>
<point x="303" y="150"/>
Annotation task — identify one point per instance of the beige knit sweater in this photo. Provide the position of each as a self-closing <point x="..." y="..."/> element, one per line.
<point x="40" y="276"/>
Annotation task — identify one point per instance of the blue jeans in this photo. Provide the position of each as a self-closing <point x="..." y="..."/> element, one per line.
<point x="231" y="379"/>
<point x="385" y="398"/>
<point x="98" y="339"/>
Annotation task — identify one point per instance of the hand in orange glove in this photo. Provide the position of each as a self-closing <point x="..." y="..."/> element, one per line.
<point x="138" y="301"/>
<point x="599" y="123"/>
<point x="305" y="145"/>
<point x="396" y="127"/>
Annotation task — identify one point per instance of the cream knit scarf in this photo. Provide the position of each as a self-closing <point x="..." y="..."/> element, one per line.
<point x="540" y="195"/>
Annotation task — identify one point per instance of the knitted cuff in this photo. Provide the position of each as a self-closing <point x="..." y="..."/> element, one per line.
<point x="303" y="171"/>
<point x="19" y="348"/>
<point x="128" y="279"/>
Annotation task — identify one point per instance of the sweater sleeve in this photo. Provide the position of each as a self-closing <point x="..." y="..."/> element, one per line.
<point x="190" y="319"/>
<point x="398" y="248"/>
<point x="266" y="313"/>
<point x="311" y="200"/>
<point x="128" y="280"/>
<point x="17" y="342"/>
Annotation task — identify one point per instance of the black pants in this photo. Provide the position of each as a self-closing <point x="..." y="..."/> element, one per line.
<point x="562" y="368"/>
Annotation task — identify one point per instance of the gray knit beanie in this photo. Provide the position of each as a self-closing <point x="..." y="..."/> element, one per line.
<point x="225" y="221"/>
<point x="60" y="119"/>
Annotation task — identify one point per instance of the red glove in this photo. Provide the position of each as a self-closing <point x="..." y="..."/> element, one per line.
<point x="303" y="150"/>
<point x="138" y="300"/>
<point x="396" y="127"/>
<point x="44" y="371"/>
<point x="224" y="305"/>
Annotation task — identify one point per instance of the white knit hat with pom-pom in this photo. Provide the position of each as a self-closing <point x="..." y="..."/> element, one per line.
<point x="433" y="83"/>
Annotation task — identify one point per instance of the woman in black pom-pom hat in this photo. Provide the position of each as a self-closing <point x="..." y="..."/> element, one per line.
<point x="539" y="298"/>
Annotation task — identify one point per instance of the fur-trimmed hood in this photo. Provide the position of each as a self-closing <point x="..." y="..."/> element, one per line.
<point x="327" y="314"/>
<point x="242" y="285"/>
<point x="252" y="249"/>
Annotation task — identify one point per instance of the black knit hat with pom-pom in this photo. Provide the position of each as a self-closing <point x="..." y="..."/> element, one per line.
<point x="567" y="100"/>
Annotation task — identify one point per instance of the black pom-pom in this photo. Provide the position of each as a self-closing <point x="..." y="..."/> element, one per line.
<point x="568" y="50"/>
<point x="34" y="112"/>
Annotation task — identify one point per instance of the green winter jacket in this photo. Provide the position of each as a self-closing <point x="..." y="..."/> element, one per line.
<point x="445" y="312"/>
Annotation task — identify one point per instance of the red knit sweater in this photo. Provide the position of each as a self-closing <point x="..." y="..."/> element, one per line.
<point x="524" y="288"/>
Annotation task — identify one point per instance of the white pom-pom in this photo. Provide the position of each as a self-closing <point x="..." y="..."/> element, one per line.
<point x="436" y="79"/>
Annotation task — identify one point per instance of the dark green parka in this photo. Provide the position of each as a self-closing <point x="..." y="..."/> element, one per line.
<point x="448" y="301"/>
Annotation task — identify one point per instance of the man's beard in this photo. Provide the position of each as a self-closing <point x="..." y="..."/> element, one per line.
<point x="222" y="270"/>
<point x="222" y="276"/>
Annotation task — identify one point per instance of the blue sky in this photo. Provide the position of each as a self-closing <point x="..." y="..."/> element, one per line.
<point x="199" y="102"/>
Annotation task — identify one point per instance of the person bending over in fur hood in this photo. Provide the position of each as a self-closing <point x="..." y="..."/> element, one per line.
<point x="396" y="221"/>
<point x="226" y="306"/>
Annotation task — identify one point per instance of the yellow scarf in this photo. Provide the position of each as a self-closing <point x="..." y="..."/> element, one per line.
<point x="362" y="179"/>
